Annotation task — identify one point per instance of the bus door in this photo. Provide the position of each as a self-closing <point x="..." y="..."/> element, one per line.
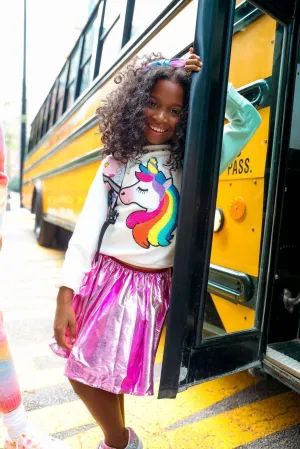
<point x="282" y="357"/>
<point x="225" y="240"/>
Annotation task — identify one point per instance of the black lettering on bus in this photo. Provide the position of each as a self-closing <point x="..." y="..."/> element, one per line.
<point x="239" y="167"/>
<point x="247" y="168"/>
<point x="234" y="171"/>
<point x="241" y="164"/>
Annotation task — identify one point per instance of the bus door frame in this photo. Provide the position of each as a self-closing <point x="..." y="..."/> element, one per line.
<point x="189" y="360"/>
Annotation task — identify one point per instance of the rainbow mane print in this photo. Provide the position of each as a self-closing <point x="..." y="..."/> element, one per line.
<point x="160" y="199"/>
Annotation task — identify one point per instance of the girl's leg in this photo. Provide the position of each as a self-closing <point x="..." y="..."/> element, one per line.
<point x="14" y="416"/>
<point x="10" y="396"/>
<point x="20" y="433"/>
<point x="105" y="408"/>
<point x="122" y="406"/>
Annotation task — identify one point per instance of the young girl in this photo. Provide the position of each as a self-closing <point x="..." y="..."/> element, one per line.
<point x="111" y="307"/>
<point x="20" y="433"/>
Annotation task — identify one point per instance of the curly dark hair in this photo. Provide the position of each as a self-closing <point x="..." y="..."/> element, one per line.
<point x="121" y="115"/>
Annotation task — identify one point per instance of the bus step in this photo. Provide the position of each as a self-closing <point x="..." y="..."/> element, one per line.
<point x="285" y="355"/>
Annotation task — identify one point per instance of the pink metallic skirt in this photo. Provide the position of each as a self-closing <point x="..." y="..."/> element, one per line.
<point x="120" y="313"/>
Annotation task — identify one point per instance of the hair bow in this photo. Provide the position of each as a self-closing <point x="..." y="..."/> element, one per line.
<point x="175" y="62"/>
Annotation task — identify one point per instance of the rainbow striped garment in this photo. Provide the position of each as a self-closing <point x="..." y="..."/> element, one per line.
<point x="10" y="397"/>
<point x="3" y="177"/>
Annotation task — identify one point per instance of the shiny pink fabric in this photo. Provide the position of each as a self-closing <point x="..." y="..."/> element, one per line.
<point x="118" y="327"/>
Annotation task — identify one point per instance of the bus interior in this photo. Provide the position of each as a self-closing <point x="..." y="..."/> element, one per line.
<point x="283" y="350"/>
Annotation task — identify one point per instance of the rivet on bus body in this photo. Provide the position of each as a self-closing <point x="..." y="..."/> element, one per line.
<point x="252" y="228"/>
<point x="272" y="41"/>
<point x="254" y="182"/>
<point x="266" y="140"/>
<point x="230" y="184"/>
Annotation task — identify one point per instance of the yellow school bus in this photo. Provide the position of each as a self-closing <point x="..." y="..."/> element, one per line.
<point x="63" y="153"/>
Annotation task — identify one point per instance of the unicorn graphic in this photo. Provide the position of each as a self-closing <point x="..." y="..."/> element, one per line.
<point x="160" y="200"/>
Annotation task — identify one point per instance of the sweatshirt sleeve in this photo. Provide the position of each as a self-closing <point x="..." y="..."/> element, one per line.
<point x="83" y="244"/>
<point x="243" y="123"/>
<point x="3" y="177"/>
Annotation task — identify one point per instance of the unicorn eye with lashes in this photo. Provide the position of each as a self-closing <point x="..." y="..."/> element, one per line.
<point x="139" y="189"/>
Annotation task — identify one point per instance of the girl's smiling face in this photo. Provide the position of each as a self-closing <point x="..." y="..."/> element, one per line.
<point x="163" y="112"/>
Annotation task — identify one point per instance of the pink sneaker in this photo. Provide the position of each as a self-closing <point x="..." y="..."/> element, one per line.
<point x="133" y="443"/>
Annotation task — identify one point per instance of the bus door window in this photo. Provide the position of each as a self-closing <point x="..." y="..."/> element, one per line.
<point x="227" y="240"/>
<point x="235" y="258"/>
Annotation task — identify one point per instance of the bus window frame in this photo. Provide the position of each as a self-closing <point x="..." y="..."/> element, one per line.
<point x="35" y="124"/>
<point x="54" y="90"/>
<point x="78" y="48"/>
<point x="46" y="113"/>
<point x="96" y="56"/>
<point x="102" y="42"/>
<point x="82" y="64"/>
<point x="120" y="16"/>
<point x="128" y="22"/>
<point x="58" y="80"/>
<point x="40" y="121"/>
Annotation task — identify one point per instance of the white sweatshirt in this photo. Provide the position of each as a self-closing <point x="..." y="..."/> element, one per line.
<point x="148" y="200"/>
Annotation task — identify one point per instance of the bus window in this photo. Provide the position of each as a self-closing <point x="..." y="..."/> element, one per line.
<point x="112" y="34"/>
<point x="40" y="122"/>
<point x="72" y="77"/>
<point x="61" y="93"/>
<point x="85" y="75"/>
<point x="46" y="115"/>
<point x="52" y="105"/>
<point x="243" y="186"/>
<point x="31" y="139"/>
<point x="145" y="12"/>
<point x="33" y="134"/>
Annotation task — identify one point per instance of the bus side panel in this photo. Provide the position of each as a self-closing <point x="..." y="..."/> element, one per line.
<point x="27" y="195"/>
<point x="66" y="203"/>
<point x="81" y="146"/>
